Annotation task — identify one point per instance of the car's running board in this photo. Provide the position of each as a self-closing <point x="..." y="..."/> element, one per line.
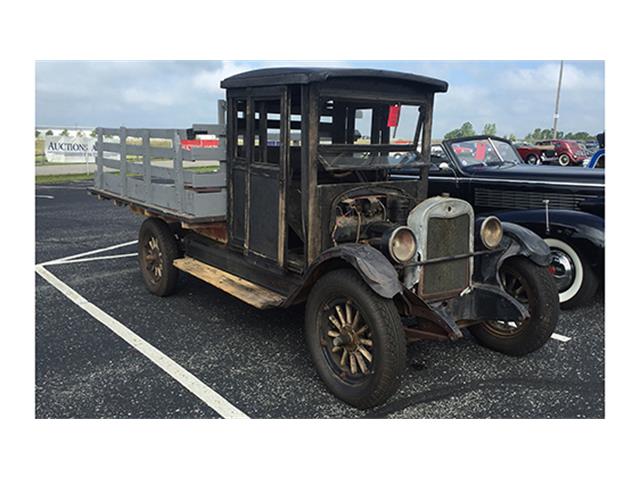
<point x="246" y="291"/>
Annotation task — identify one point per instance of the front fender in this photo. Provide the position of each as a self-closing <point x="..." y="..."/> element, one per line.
<point x="517" y="241"/>
<point x="374" y="268"/>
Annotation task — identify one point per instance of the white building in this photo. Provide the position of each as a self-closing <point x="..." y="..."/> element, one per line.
<point x="57" y="130"/>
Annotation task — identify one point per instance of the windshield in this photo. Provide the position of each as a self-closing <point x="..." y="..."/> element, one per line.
<point x="486" y="152"/>
<point x="355" y="134"/>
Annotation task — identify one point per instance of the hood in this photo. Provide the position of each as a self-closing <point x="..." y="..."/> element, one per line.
<point x="542" y="173"/>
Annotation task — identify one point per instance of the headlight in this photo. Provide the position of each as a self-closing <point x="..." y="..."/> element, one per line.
<point x="491" y="232"/>
<point x="402" y="244"/>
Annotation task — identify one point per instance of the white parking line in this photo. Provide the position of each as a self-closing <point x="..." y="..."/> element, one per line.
<point x="99" y="250"/>
<point x="91" y="259"/>
<point x="180" y="374"/>
<point x="560" y="338"/>
<point x="50" y="197"/>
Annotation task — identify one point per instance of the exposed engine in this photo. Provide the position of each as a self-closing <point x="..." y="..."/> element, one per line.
<point x="365" y="219"/>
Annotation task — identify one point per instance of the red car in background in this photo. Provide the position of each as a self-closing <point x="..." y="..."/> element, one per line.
<point x="569" y="152"/>
<point x="532" y="154"/>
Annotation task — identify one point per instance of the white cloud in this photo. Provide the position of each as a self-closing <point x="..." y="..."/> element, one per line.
<point x="545" y="78"/>
<point x="209" y="80"/>
<point x="147" y="97"/>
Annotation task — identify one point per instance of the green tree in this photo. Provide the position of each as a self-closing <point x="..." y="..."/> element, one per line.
<point x="94" y="133"/>
<point x="466" y="130"/>
<point x="64" y="132"/>
<point x="38" y="133"/>
<point x="79" y="134"/>
<point x="489" y="129"/>
<point x="583" y="136"/>
<point x="48" y="133"/>
<point x="512" y="137"/>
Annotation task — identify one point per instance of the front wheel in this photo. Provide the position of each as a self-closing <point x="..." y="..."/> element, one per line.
<point x="534" y="287"/>
<point x="356" y="339"/>
<point x="532" y="159"/>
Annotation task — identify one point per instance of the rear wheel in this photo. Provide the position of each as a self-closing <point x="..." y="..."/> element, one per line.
<point x="564" y="160"/>
<point x="575" y="279"/>
<point x="157" y="249"/>
<point x="534" y="287"/>
<point x="356" y="339"/>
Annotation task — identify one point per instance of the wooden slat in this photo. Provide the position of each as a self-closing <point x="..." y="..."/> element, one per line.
<point x="203" y="180"/>
<point x="123" y="164"/>
<point x="99" y="158"/>
<point x="154" y="152"/>
<point x="111" y="163"/>
<point x="244" y="290"/>
<point x="210" y="129"/>
<point x="207" y="154"/>
<point x="111" y="147"/>
<point x="165" y="133"/>
<point x="111" y="131"/>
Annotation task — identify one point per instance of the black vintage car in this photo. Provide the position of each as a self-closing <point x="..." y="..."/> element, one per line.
<point x="564" y="206"/>
<point x="316" y="217"/>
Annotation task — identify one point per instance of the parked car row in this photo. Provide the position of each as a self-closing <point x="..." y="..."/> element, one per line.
<point x="562" y="152"/>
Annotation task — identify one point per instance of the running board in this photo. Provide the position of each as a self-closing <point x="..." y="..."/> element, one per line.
<point x="246" y="291"/>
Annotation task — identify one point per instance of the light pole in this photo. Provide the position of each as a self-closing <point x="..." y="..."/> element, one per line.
<point x="557" y="111"/>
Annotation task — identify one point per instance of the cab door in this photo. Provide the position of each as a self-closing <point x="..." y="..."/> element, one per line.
<point x="266" y="182"/>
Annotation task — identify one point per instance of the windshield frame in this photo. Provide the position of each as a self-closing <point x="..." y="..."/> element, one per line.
<point x="413" y="148"/>
<point x="449" y="147"/>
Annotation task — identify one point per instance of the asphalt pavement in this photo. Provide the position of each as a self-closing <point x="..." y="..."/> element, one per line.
<point x="255" y="361"/>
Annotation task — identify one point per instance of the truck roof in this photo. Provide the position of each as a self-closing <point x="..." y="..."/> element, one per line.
<point x="306" y="75"/>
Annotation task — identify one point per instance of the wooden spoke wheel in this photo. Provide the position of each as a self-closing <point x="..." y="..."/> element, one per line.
<point x="356" y="339"/>
<point x="347" y="342"/>
<point x="157" y="249"/>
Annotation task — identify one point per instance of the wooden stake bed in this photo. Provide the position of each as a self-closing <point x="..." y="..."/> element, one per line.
<point x="246" y="291"/>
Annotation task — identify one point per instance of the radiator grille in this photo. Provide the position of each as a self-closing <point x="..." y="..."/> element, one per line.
<point x="446" y="237"/>
<point x="517" y="199"/>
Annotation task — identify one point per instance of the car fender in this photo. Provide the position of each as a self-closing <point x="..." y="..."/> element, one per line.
<point x="374" y="268"/>
<point x="583" y="231"/>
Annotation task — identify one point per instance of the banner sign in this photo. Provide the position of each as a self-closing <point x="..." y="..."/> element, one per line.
<point x="70" y="149"/>
<point x="199" y="143"/>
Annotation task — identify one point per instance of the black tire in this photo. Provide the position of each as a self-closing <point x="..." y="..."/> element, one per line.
<point x="532" y="159"/>
<point x="564" y="160"/>
<point x="157" y="240"/>
<point x="540" y="294"/>
<point x="382" y="374"/>
<point x="584" y="282"/>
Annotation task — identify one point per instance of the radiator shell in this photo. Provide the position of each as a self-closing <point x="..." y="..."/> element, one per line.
<point x="443" y="227"/>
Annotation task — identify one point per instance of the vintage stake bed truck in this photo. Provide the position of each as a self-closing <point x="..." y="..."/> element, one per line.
<point x="303" y="209"/>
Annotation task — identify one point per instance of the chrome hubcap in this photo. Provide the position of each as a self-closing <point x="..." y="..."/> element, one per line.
<point x="562" y="269"/>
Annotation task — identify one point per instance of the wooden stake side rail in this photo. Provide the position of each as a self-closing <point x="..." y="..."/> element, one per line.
<point x="159" y="181"/>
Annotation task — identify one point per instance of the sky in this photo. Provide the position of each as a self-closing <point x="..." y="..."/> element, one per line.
<point x="517" y="96"/>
